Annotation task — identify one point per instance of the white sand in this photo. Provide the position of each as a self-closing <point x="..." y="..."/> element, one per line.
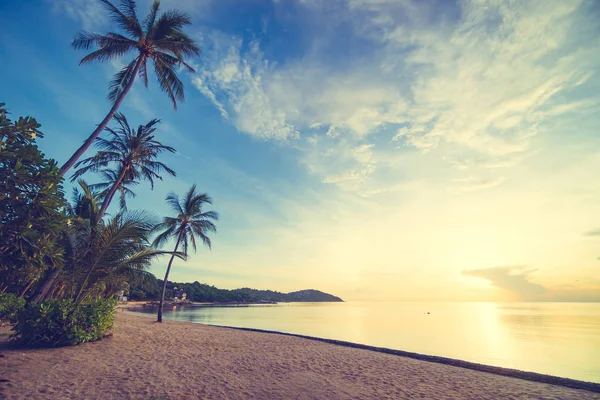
<point x="174" y="360"/>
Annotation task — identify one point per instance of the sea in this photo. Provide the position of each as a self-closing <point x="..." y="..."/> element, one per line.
<point x="561" y="339"/>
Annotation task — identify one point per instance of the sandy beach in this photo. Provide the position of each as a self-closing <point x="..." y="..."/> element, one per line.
<point x="175" y="360"/>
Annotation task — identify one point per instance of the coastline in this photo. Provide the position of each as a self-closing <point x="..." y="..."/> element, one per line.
<point x="187" y="360"/>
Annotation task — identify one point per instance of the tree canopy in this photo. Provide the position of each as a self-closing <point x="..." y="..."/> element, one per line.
<point x="32" y="218"/>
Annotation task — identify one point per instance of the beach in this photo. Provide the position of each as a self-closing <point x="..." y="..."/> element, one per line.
<point x="177" y="360"/>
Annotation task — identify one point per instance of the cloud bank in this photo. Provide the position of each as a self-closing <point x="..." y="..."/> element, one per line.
<point x="516" y="280"/>
<point x="475" y="79"/>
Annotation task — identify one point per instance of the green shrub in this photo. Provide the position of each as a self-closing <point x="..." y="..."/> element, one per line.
<point x="10" y="305"/>
<point x="62" y="323"/>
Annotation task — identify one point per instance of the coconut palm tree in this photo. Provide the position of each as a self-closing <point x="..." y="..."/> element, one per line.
<point x="190" y="222"/>
<point x="133" y="151"/>
<point x="159" y="39"/>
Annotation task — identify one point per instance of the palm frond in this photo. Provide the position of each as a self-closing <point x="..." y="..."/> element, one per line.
<point x="118" y="15"/>
<point x="205" y="239"/>
<point x="112" y="46"/>
<point x="151" y="18"/>
<point x="169" y="22"/>
<point x="209" y="215"/>
<point x="189" y="197"/>
<point x="168" y="80"/>
<point x="84" y="40"/>
<point x="143" y="72"/>
<point x="173" y="201"/>
<point x="127" y="7"/>
<point x="168" y="233"/>
<point x="121" y="80"/>
<point x="123" y="123"/>
<point x="179" y="44"/>
<point x="190" y="235"/>
<point x="184" y="242"/>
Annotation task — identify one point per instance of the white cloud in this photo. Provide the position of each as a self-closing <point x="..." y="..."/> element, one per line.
<point x="363" y="153"/>
<point x="236" y="86"/>
<point x="91" y="14"/>
<point x="200" y="84"/>
<point x="482" y="78"/>
<point x="471" y="183"/>
<point x="487" y="81"/>
<point x="349" y="176"/>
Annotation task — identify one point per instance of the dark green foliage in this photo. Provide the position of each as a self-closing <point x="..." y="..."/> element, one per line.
<point x="31" y="206"/>
<point x="196" y="292"/>
<point x="10" y="305"/>
<point x="144" y="287"/>
<point x="61" y="322"/>
<point x="124" y="158"/>
<point x="106" y="255"/>
<point x="203" y="293"/>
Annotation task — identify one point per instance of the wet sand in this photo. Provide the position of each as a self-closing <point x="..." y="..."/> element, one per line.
<point x="175" y="360"/>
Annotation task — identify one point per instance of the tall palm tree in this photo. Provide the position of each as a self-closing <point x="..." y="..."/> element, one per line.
<point x="159" y="39"/>
<point x="133" y="151"/>
<point x="190" y="222"/>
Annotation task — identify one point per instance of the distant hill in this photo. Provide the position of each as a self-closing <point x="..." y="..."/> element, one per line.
<point x="312" y="295"/>
<point x="201" y="292"/>
<point x="307" y="295"/>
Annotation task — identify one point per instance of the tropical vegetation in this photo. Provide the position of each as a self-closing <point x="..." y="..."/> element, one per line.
<point x="68" y="259"/>
<point x="64" y="322"/>
<point x="31" y="201"/>
<point x="64" y="262"/>
<point x="203" y="293"/>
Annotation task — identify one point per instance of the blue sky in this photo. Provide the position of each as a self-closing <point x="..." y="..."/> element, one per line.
<point x="375" y="149"/>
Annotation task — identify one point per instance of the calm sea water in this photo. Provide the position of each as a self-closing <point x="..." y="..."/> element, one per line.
<point x="561" y="339"/>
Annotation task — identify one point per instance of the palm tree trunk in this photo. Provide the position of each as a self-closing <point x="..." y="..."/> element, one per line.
<point x="52" y="293"/>
<point x="88" y="142"/>
<point x="27" y="288"/>
<point x="43" y="290"/>
<point x="83" y="285"/>
<point x="162" y="297"/>
<point x="110" y="195"/>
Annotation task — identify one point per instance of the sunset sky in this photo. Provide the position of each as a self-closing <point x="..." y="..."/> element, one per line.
<point x="379" y="150"/>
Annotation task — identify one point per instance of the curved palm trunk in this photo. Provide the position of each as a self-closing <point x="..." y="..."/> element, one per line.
<point x="162" y="297"/>
<point x="110" y="195"/>
<point x="88" y="142"/>
<point x="43" y="290"/>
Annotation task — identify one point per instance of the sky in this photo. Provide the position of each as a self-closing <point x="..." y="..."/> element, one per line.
<point x="379" y="150"/>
